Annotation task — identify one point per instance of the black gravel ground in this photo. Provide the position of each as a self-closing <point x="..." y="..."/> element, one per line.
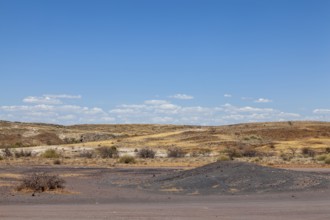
<point x="237" y="178"/>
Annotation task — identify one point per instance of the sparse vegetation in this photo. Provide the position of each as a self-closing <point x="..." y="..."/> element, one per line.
<point x="278" y="142"/>
<point x="146" y="153"/>
<point x="23" y="153"/>
<point x="286" y="157"/>
<point x="249" y="152"/>
<point x="40" y="182"/>
<point x="322" y="157"/>
<point x="327" y="160"/>
<point x="7" y="152"/>
<point x="127" y="159"/>
<point x="223" y="158"/>
<point x="51" y="153"/>
<point x="327" y="150"/>
<point x="293" y="151"/>
<point x="306" y="151"/>
<point x="175" y="152"/>
<point x="57" y="162"/>
<point x="86" y="154"/>
<point x="233" y="152"/>
<point x="108" y="152"/>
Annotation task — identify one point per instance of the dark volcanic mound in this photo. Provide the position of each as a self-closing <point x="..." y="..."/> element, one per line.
<point x="237" y="177"/>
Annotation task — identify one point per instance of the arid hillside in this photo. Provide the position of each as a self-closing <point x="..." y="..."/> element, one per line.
<point x="297" y="142"/>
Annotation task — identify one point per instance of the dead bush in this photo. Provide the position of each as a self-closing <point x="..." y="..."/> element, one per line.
<point x="306" y="151"/>
<point x="108" y="152"/>
<point x="146" y="153"/>
<point x="22" y="153"/>
<point x="127" y="159"/>
<point x="327" y="150"/>
<point x="175" y="152"/>
<point x="233" y="152"/>
<point x="7" y="152"/>
<point x="57" y="162"/>
<point x="250" y="152"/>
<point x="40" y="182"/>
<point x="86" y="154"/>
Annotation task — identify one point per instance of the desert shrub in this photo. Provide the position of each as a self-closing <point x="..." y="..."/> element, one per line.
<point x="286" y="157"/>
<point x="327" y="160"/>
<point x="146" y="153"/>
<point x="108" y="152"/>
<point x="201" y="152"/>
<point x="1" y="158"/>
<point x="205" y="152"/>
<point x="306" y="151"/>
<point x="57" y="162"/>
<point x="86" y="154"/>
<point x="51" y="153"/>
<point x="127" y="159"/>
<point x="223" y="158"/>
<point x="7" y="152"/>
<point x="40" y="182"/>
<point x="232" y="153"/>
<point x="249" y="152"/>
<point x="175" y="152"/>
<point x="321" y="157"/>
<point x="272" y="146"/>
<point x="327" y="150"/>
<point x="22" y="153"/>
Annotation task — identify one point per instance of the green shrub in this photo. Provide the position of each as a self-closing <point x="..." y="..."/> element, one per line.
<point x="321" y="157"/>
<point x="223" y="158"/>
<point x="108" y="152"/>
<point x="146" y="153"/>
<point x="175" y="152"/>
<point x="327" y="160"/>
<point x="40" y="182"/>
<point x="127" y="159"/>
<point x="51" y="153"/>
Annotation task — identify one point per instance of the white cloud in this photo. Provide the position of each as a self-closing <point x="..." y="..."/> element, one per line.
<point x="64" y="96"/>
<point x="262" y="100"/>
<point x="227" y="95"/>
<point x="182" y="96"/>
<point x="156" y="102"/>
<point x="321" y="111"/>
<point x="49" y="99"/>
<point x="149" y="111"/>
<point x="42" y="100"/>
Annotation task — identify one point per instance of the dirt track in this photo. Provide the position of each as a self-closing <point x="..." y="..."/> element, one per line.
<point x="256" y="208"/>
<point x="98" y="194"/>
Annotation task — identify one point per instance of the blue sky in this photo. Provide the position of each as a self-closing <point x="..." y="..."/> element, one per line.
<point x="164" y="61"/>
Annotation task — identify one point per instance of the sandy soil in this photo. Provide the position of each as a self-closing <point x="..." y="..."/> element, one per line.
<point x="93" y="193"/>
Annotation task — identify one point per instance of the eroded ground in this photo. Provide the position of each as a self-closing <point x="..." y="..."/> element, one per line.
<point x="116" y="193"/>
